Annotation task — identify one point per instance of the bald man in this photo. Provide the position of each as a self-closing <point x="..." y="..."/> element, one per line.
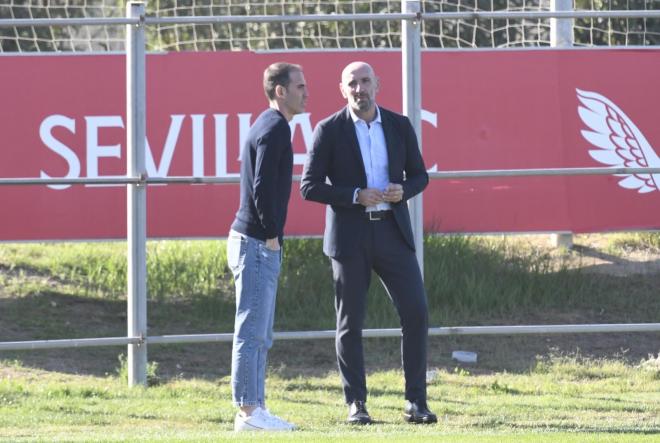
<point x="364" y="165"/>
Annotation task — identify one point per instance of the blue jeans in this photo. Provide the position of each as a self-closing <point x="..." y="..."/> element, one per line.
<point x="256" y="270"/>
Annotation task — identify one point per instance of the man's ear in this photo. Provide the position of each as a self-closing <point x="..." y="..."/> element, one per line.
<point x="279" y="91"/>
<point x="341" y="89"/>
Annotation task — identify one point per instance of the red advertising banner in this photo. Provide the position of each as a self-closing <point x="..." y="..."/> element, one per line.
<point x="64" y="116"/>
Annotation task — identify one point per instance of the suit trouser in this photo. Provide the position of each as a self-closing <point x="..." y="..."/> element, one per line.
<point x="383" y="250"/>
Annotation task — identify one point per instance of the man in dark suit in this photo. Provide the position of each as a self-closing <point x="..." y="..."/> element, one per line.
<point x="365" y="164"/>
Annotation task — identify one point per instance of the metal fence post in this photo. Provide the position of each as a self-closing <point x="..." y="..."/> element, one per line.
<point x="561" y="29"/>
<point x="136" y="220"/>
<point x="561" y="36"/>
<point x="411" y="63"/>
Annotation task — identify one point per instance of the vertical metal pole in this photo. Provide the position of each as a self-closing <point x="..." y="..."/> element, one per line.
<point x="136" y="222"/>
<point x="411" y="63"/>
<point x="561" y="36"/>
<point x="561" y="30"/>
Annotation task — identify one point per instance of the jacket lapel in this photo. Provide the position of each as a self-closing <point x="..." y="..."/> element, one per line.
<point x="354" y="146"/>
<point x="391" y="142"/>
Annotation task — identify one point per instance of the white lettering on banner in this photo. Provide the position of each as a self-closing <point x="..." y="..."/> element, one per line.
<point x="304" y="121"/>
<point x="198" y="145"/>
<point x="431" y="117"/>
<point x="221" y="145"/>
<point x="168" y="150"/>
<point x="243" y="129"/>
<point x="305" y="124"/>
<point x="95" y="151"/>
<point x="45" y="132"/>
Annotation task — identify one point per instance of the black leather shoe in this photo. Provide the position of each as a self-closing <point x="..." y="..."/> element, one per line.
<point x="357" y="413"/>
<point x="416" y="411"/>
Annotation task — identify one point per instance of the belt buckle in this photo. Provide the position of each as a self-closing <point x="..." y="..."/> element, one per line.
<point x="375" y="216"/>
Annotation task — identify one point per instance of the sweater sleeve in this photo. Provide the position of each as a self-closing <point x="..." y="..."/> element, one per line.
<point x="269" y="149"/>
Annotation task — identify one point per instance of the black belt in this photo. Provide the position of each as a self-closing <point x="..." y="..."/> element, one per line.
<point x="378" y="215"/>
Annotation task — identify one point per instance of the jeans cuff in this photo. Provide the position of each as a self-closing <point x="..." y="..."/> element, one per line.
<point x="239" y="404"/>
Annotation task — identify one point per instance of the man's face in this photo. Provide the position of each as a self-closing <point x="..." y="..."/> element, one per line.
<point x="295" y="95"/>
<point x="359" y="86"/>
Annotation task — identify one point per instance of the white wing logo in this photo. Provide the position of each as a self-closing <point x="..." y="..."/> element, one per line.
<point x="618" y="142"/>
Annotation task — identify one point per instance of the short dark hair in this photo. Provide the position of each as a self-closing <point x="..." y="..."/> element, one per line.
<point x="278" y="74"/>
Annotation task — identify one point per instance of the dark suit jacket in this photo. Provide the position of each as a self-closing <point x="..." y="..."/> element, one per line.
<point x="335" y="155"/>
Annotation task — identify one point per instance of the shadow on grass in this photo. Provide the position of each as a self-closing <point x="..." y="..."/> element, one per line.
<point x="615" y="265"/>
<point x="56" y="316"/>
<point x="53" y="316"/>
<point x="469" y="282"/>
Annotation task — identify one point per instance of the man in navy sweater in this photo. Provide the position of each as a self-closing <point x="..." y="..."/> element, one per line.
<point x="254" y="244"/>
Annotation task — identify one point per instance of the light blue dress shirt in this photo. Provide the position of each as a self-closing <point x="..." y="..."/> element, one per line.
<point x="371" y="139"/>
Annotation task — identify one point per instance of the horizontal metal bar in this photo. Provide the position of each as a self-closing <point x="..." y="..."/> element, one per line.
<point x="38" y="22"/>
<point x="72" y="181"/>
<point x="396" y="332"/>
<point x="119" y="180"/>
<point x="200" y="180"/>
<point x="520" y="15"/>
<point x="192" y="180"/>
<point x="190" y="338"/>
<point x="68" y="343"/>
<point x="330" y="334"/>
<point x="123" y="180"/>
<point x="546" y="329"/>
<point x="236" y="179"/>
<point x="541" y="172"/>
<point x="280" y="18"/>
<point x="464" y="15"/>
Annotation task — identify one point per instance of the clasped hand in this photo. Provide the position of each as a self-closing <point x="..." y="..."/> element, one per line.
<point x="371" y="196"/>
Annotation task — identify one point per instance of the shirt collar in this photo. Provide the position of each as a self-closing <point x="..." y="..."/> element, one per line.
<point x="356" y="119"/>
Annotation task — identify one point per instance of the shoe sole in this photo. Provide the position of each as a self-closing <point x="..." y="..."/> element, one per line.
<point x="247" y="427"/>
<point x="256" y="429"/>
<point x="420" y="421"/>
<point x="359" y="421"/>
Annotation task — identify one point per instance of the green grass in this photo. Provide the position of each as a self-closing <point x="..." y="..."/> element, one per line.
<point x="468" y="279"/>
<point x="78" y="290"/>
<point x="177" y="268"/>
<point x="649" y="241"/>
<point x="465" y="276"/>
<point x="561" y="400"/>
<point x="480" y="274"/>
<point x="92" y="269"/>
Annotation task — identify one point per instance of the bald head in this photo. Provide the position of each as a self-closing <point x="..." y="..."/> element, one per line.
<point x="359" y="86"/>
<point x="357" y="66"/>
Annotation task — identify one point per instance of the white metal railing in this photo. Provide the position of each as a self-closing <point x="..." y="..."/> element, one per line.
<point x="136" y="196"/>
<point x="442" y="175"/>
<point x="136" y="177"/>
<point x="330" y="333"/>
<point x="68" y="343"/>
<point x="419" y="16"/>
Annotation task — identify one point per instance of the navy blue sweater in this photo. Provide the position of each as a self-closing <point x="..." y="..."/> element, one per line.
<point x="266" y="168"/>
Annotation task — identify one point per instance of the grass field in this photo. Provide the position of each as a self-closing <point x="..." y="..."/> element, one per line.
<point x="560" y="400"/>
<point x="587" y="388"/>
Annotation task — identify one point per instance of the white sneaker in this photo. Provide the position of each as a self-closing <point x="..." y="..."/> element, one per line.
<point x="260" y="420"/>
<point x="279" y="421"/>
